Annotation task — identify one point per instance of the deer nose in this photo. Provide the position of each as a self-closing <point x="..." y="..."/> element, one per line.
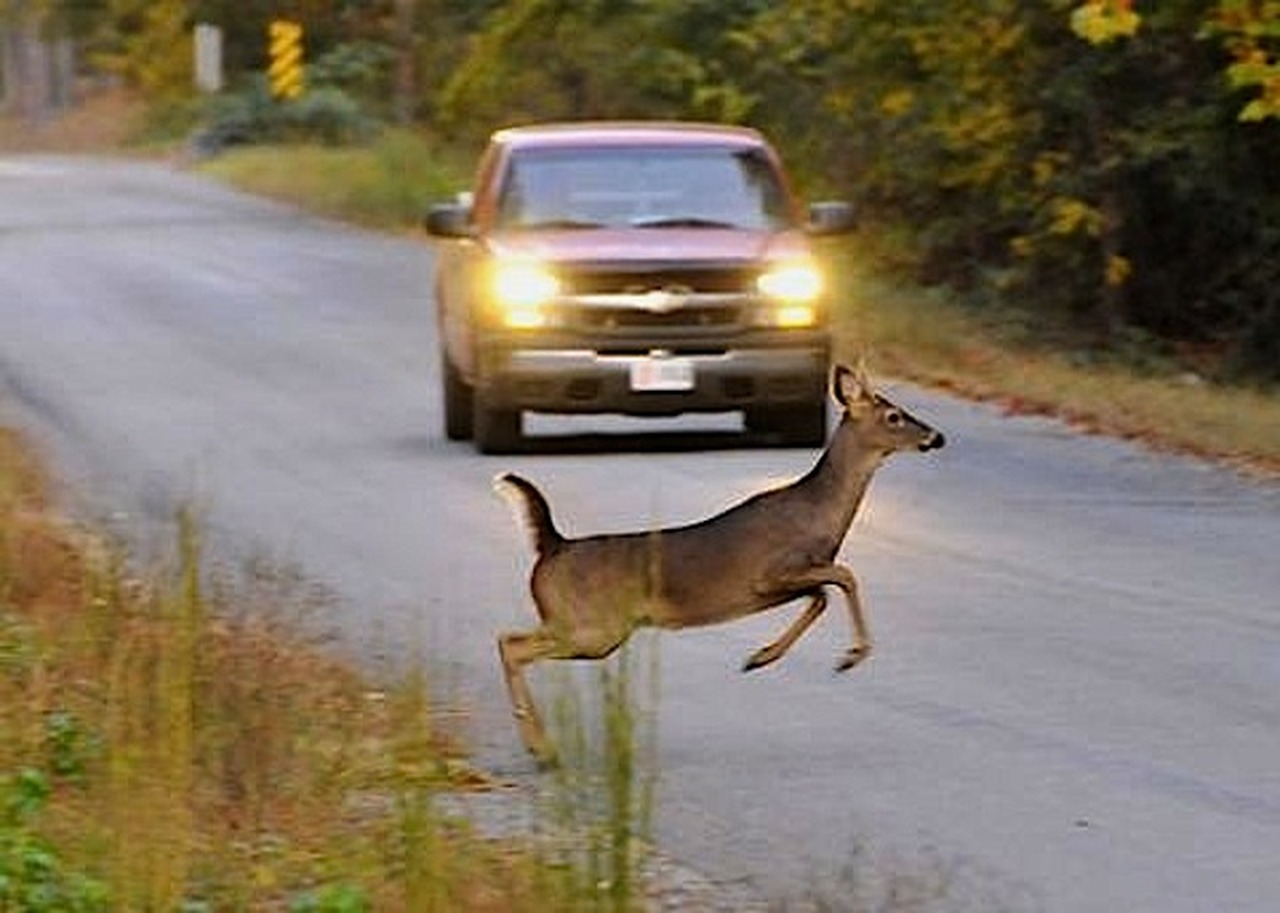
<point x="933" y="442"/>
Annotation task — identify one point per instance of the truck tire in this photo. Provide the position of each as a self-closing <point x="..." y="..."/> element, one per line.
<point x="494" y="429"/>
<point x="800" y="425"/>
<point x="457" y="401"/>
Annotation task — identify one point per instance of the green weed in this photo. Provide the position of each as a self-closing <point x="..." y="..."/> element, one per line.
<point x="600" y="801"/>
<point x="33" y="877"/>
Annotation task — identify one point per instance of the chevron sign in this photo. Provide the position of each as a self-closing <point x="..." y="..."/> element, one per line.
<point x="284" y="72"/>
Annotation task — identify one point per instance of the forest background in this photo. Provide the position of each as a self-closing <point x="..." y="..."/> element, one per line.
<point x="1105" y="174"/>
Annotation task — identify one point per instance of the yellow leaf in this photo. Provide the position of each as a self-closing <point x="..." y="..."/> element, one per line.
<point x="1119" y="269"/>
<point x="1070" y="215"/>
<point x="1102" y="21"/>
<point x="898" y="102"/>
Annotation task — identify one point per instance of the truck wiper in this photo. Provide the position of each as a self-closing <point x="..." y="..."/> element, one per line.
<point x="680" y="222"/>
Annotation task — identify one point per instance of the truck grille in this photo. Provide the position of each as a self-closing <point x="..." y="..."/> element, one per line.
<point x="688" y="315"/>
<point x="712" y="280"/>
<point x="632" y="302"/>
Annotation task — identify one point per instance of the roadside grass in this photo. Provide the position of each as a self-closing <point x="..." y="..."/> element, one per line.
<point x="386" y="184"/>
<point x="917" y="334"/>
<point x="108" y="120"/>
<point x="168" y="742"/>
<point x="922" y="336"/>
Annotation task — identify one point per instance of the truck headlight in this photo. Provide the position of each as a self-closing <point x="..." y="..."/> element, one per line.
<point x="791" y="291"/>
<point x="522" y="291"/>
<point x="793" y="316"/>
<point x="792" y="283"/>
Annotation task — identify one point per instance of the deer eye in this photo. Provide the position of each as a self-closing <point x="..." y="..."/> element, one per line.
<point x="893" y="418"/>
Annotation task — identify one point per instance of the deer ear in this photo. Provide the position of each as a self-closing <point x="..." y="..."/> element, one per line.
<point x="849" y="385"/>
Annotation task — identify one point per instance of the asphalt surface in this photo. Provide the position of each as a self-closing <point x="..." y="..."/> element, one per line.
<point x="1073" y="706"/>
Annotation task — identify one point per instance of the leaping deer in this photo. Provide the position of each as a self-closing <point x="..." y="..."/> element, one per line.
<point x="772" y="548"/>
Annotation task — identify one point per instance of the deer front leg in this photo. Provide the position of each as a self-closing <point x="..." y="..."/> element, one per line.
<point x="774" y="651"/>
<point x="861" y="648"/>
<point x="840" y="576"/>
<point x="517" y="651"/>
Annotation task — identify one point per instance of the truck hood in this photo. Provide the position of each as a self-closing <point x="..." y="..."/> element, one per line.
<point x="649" y="244"/>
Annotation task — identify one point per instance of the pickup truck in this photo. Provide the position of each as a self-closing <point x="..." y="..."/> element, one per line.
<point x="644" y="268"/>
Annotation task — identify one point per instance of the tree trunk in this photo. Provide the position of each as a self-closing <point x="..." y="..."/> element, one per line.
<point x="37" y="76"/>
<point x="406" y="43"/>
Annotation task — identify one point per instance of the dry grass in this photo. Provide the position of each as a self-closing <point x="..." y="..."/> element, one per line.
<point x="105" y="121"/>
<point x="202" y="752"/>
<point x="926" y="338"/>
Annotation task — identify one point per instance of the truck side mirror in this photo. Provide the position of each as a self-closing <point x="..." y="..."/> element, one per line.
<point x="830" y="217"/>
<point x="448" y="220"/>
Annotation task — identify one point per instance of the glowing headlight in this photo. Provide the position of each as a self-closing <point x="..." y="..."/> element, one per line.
<point x="522" y="290"/>
<point x="795" y="315"/>
<point x="793" y="282"/>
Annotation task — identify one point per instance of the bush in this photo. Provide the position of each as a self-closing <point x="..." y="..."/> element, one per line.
<point x="327" y="115"/>
<point x="253" y="116"/>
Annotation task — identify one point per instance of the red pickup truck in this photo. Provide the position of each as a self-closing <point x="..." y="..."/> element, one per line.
<point x="647" y="268"/>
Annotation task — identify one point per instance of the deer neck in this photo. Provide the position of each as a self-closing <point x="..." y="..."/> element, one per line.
<point x="839" y="480"/>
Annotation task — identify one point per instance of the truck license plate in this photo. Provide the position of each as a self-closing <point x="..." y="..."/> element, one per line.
<point x="661" y="375"/>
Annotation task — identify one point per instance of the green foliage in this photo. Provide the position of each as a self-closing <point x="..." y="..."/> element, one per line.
<point x="1107" y="165"/>
<point x="33" y="879"/>
<point x="557" y="59"/>
<point x="360" y="69"/>
<point x="148" y="43"/>
<point x="69" y="745"/>
<point x="1251" y="31"/>
<point x="252" y="116"/>
<point x="327" y="115"/>
<point x="1081" y="160"/>
<point x="332" y="899"/>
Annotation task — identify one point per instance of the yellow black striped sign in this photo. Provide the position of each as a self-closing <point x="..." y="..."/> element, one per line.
<point x="284" y="72"/>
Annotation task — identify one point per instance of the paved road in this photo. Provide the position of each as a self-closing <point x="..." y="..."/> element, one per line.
<point x="1074" y="703"/>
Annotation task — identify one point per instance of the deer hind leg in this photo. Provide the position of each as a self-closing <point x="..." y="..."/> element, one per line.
<point x="774" y="651"/>
<point x="521" y="649"/>
<point x="518" y="650"/>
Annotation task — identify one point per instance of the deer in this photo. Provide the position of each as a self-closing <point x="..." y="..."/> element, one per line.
<point x="774" y="547"/>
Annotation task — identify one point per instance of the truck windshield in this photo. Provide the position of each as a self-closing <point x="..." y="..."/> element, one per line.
<point x="642" y="187"/>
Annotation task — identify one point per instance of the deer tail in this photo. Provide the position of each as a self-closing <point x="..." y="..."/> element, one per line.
<point x="536" y="510"/>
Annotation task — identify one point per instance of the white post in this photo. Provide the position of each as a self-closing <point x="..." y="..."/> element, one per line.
<point x="208" y="44"/>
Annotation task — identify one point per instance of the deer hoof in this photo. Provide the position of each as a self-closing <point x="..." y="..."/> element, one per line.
<point x="851" y="658"/>
<point x="543" y="751"/>
<point x="758" y="660"/>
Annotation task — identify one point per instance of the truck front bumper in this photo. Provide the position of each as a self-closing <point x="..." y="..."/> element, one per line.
<point x="583" y="380"/>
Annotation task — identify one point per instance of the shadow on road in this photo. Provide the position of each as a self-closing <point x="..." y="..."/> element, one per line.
<point x="645" y="442"/>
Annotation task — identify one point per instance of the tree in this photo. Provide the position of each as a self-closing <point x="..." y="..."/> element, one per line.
<point x="148" y="44"/>
<point x="542" y="59"/>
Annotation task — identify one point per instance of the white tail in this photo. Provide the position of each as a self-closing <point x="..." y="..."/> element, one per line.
<point x="772" y="548"/>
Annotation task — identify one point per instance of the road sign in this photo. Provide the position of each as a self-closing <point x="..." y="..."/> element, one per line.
<point x="208" y="43"/>
<point x="285" y="69"/>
